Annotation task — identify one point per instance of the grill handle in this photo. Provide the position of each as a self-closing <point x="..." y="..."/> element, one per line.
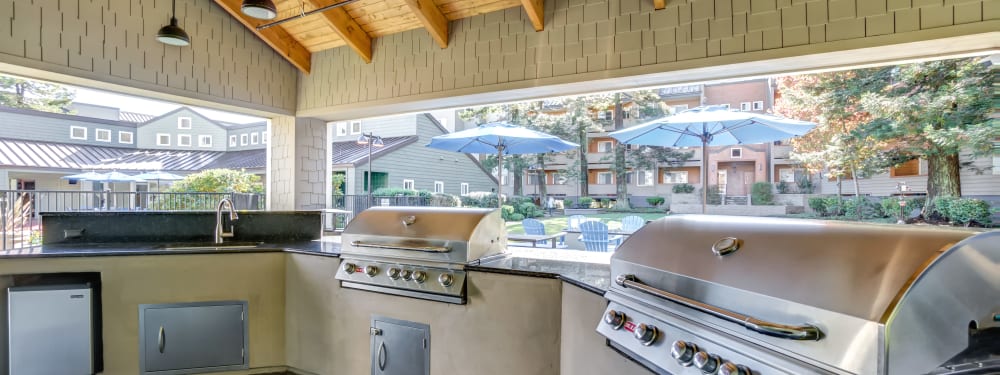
<point x="431" y="249"/>
<point x="802" y="332"/>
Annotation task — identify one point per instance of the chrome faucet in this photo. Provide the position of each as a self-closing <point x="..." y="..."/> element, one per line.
<point x="219" y="232"/>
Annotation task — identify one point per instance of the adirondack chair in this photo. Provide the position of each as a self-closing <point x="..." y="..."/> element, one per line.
<point x="594" y="235"/>
<point x="632" y="223"/>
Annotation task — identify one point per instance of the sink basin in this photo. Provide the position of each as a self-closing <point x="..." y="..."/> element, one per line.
<point x="209" y="246"/>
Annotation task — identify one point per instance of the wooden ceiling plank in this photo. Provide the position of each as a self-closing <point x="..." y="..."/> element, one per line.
<point x="659" y="4"/>
<point x="432" y="19"/>
<point x="536" y="12"/>
<point x="276" y="37"/>
<point x="348" y="29"/>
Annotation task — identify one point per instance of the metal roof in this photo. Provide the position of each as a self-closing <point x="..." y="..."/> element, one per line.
<point x="134" y="117"/>
<point x="35" y="154"/>
<point x="350" y="152"/>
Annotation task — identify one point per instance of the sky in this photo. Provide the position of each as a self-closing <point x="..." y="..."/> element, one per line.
<point x="151" y="107"/>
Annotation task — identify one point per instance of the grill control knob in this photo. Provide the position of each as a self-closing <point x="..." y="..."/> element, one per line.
<point x="446" y="279"/>
<point x="407" y="274"/>
<point x="646" y="334"/>
<point x="615" y="319"/>
<point x="707" y="363"/>
<point x="393" y="273"/>
<point x="728" y="368"/>
<point x="419" y="276"/>
<point x="371" y="271"/>
<point x="683" y="352"/>
<point x="349" y="268"/>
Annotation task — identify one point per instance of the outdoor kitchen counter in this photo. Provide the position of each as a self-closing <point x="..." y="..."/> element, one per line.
<point x="317" y="247"/>
<point x="585" y="269"/>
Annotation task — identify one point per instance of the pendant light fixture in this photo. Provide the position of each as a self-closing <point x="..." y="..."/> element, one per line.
<point x="172" y="34"/>
<point x="260" y="9"/>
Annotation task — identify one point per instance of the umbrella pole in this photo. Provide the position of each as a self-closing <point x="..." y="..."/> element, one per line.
<point x="704" y="174"/>
<point x="499" y="177"/>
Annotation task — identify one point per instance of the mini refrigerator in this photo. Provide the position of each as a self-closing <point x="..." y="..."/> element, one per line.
<point x="50" y="330"/>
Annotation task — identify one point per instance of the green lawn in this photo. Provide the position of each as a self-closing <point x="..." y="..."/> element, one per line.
<point x="557" y="223"/>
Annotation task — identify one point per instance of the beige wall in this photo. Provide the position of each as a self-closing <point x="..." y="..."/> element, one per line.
<point x="297" y="163"/>
<point x="111" y="45"/>
<point x="129" y="281"/>
<point x="592" y="46"/>
<point x="510" y="325"/>
<point x="583" y="351"/>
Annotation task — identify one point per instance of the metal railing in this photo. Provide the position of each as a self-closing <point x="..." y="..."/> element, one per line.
<point x="20" y="221"/>
<point x="358" y="203"/>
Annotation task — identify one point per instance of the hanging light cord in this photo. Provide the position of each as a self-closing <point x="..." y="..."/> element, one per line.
<point x="304" y="14"/>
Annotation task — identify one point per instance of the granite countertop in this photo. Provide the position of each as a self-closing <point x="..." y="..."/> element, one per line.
<point x="586" y="269"/>
<point x="325" y="246"/>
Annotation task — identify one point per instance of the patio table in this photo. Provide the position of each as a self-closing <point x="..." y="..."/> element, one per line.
<point x="535" y="238"/>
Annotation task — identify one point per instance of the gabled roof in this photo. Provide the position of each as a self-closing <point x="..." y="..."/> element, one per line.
<point x="36" y="154"/>
<point x="350" y="152"/>
<point x="134" y="117"/>
<point x="66" y="116"/>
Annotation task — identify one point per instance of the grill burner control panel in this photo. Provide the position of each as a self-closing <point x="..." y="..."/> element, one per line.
<point x="679" y="346"/>
<point x="433" y="283"/>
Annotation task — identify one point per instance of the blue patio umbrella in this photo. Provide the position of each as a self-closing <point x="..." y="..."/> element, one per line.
<point x="159" y="175"/>
<point x="86" y="176"/>
<point x="714" y="125"/>
<point x="503" y="139"/>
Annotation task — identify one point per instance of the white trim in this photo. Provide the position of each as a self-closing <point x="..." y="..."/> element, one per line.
<point x="106" y="132"/>
<point x="745" y="106"/>
<point x="341" y="128"/>
<point x="73" y="128"/>
<point x="439" y="186"/>
<point x="181" y="123"/>
<point x="611" y="146"/>
<point x="254" y="138"/>
<point x="184" y="140"/>
<point x="463" y="188"/>
<point x="675" y="177"/>
<point x="412" y="184"/>
<point x="645" y="177"/>
<point x="243" y="139"/>
<point x="131" y="137"/>
<point x="159" y="138"/>
<point x="263" y="138"/>
<point x="232" y="140"/>
<point x="202" y="138"/>
<point x="611" y="178"/>
<point x="353" y="131"/>
<point x="758" y="105"/>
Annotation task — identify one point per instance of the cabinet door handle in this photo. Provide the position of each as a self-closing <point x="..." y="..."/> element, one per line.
<point x="382" y="356"/>
<point x="161" y="339"/>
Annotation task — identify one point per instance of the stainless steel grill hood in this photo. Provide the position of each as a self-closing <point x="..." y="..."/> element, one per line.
<point x="418" y="252"/>
<point x="800" y="296"/>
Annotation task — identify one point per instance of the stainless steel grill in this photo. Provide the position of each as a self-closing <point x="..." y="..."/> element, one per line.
<point x="735" y="295"/>
<point x="418" y="252"/>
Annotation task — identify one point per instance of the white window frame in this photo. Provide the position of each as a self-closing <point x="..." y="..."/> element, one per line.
<point x="263" y="137"/>
<point x="734" y="151"/>
<point x="745" y="106"/>
<point x="675" y="177"/>
<point x="610" y="148"/>
<point x="181" y="123"/>
<point x="184" y="140"/>
<point x="644" y="178"/>
<point x="105" y="132"/>
<point x="610" y="178"/>
<point x="75" y="128"/>
<point x="244" y="139"/>
<point x="439" y="186"/>
<point x="254" y="138"/>
<point x="996" y="165"/>
<point x="786" y="175"/>
<point x="409" y="184"/>
<point x="232" y="140"/>
<point x="758" y="105"/>
<point x="341" y="129"/>
<point x="160" y="137"/>
<point x="353" y="130"/>
<point x="202" y="142"/>
<point x="463" y="188"/>
<point x="121" y="137"/>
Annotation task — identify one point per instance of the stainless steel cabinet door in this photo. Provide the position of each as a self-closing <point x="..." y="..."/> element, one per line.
<point x="400" y="347"/>
<point x="193" y="338"/>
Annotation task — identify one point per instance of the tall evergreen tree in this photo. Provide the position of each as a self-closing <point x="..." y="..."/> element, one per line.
<point x="29" y="94"/>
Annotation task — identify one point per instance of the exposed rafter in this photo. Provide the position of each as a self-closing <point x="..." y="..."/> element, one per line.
<point x="432" y="19"/>
<point x="276" y="37"/>
<point x="348" y="29"/>
<point x="536" y="12"/>
<point x="659" y="4"/>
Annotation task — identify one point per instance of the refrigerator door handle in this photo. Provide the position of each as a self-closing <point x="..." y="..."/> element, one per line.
<point x="161" y="339"/>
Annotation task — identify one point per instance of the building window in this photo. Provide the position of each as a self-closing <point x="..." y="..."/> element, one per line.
<point x="758" y="105"/>
<point x="438" y="187"/>
<point x="996" y="165"/>
<point x="736" y="153"/>
<point x="408" y="185"/>
<point x="605" y="178"/>
<point x="341" y="128"/>
<point x="162" y="139"/>
<point x="745" y="106"/>
<point x="786" y="175"/>
<point x="77" y="132"/>
<point x="909" y="168"/>
<point x="645" y="178"/>
<point x="102" y="135"/>
<point x="184" y="139"/>
<point x="356" y="127"/>
<point x="464" y="188"/>
<point x="679" y="108"/>
<point x="183" y="123"/>
<point x="604" y="146"/>
<point x="125" y="137"/>
<point x="263" y="138"/>
<point x="675" y="177"/>
<point x="232" y="141"/>
<point x="244" y="139"/>
<point x="254" y="138"/>
<point x="204" y="141"/>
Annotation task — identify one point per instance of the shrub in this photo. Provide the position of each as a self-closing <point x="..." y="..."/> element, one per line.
<point x="567" y="203"/>
<point x="861" y="207"/>
<point x="805" y="185"/>
<point x="483" y="199"/>
<point x="761" y="194"/>
<point x="605" y="203"/>
<point x="683" y="188"/>
<point x="585" y="202"/>
<point x="528" y="209"/>
<point x="964" y="210"/>
<point x="818" y="205"/>
<point x="506" y="212"/>
<point x="655" y="201"/>
<point x="942" y="206"/>
<point x="395" y="192"/>
<point x="516" y="217"/>
<point x="219" y="181"/>
<point x="713" y="195"/>
<point x="783" y="187"/>
<point x="444" y="200"/>
<point x="834" y="205"/>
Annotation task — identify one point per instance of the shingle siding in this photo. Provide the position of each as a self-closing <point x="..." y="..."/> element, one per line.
<point x="168" y="125"/>
<point x="57" y="129"/>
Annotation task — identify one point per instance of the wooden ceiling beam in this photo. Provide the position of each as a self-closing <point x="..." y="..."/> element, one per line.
<point x="276" y="37"/>
<point x="536" y="12"/>
<point x="659" y="4"/>
<point x="348" y="29"/>
<point x="432" y="19"/>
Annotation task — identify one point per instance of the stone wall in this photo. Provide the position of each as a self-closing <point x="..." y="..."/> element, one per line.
<point x="296" y="164"/>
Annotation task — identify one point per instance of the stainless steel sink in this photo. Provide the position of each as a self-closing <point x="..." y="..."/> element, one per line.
<point x="210" y="246"/>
